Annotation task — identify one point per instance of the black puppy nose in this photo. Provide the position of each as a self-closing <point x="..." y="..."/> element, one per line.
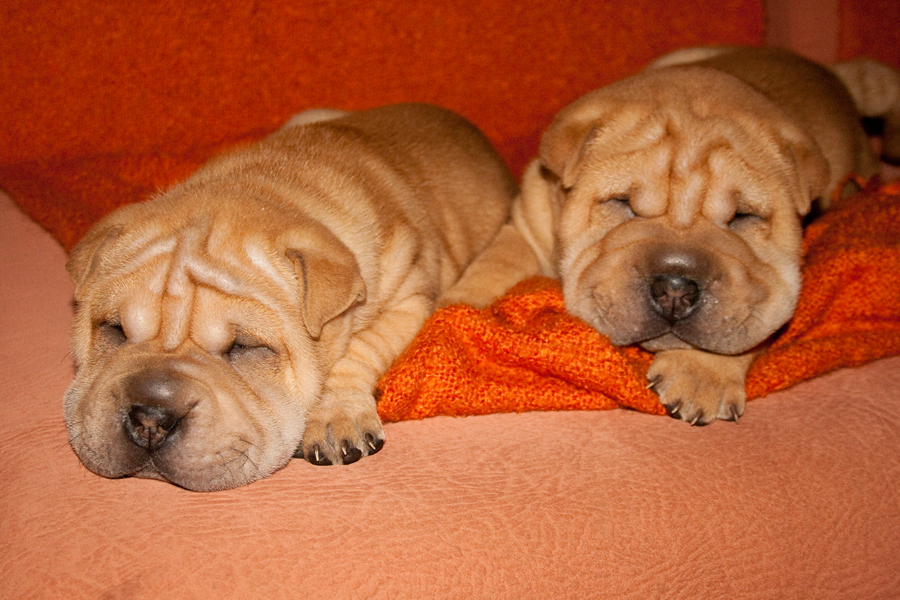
<point x="149" y="426"/>
<point x="154" y="398"/>
<point x="674" y="296"/>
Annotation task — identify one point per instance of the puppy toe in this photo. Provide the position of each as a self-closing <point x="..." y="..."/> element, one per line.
<point x="314" y="454"/>
<point x="349" y="453"/>
<point x="673" y="409"/>
<point x="695" y="415"/>
<point x="732" y="406"/>
<point x="683" y="399"/>
<point x="375" y="443"/>
<point x="697" y="405"/>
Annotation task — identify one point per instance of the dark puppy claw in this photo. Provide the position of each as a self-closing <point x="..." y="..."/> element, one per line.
<point x="375" y="444"/>
<point x="350" y="454"/>
<point x="316" y="457"/>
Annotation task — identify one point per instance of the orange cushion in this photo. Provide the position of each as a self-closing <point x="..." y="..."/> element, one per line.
<point x="104" y="104"/>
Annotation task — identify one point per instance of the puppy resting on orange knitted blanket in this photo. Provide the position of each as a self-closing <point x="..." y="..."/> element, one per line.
<point x="670" y="204"/>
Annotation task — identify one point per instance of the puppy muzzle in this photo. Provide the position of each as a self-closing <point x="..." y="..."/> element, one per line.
<point x="689" y="301"/>
<point x="673" y="299"/>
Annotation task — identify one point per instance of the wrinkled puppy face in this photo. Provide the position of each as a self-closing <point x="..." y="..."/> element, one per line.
<point x="193" y="361"/>
<point x="679" y="216"/>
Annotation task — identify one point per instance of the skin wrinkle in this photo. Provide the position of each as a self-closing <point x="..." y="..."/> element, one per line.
<point x="690" y="182"/>
<point x="644" y="133"/>
<point x="374" y="343"/>
<point x="260" y="260"/>
<point x="179" y="291"/>
<point x="730" y="136"/>
<point x="155" y="249"/>
<point x="189" y="267"/>
<point x="682" y="167"/>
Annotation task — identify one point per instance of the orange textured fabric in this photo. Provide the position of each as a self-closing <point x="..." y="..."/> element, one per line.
<point x="104" y="102"/>
<point x="525" y="353"/>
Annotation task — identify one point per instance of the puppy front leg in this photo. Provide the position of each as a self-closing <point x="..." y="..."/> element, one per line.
<point x="699" y="387"/>
<point x="524" y="247"/>
<point x="505" y="262"/>
<point x="344" y="425"/>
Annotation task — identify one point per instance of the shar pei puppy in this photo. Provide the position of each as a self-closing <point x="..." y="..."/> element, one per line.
<point x="244" y="316"/>
<point x="670" y="204"/>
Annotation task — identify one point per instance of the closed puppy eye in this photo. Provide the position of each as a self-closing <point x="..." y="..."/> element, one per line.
<point x="112" y="333"/>
<point x="746" y="214"/>
<point x="246" y="346"/>
<point x="621" y="199"/>
<point x="742" y="219"/>
<point x="619" y="202"/>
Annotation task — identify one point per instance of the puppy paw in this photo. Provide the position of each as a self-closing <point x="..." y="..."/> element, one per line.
<point x="340" y="433"/>
<point x="699" y="387"/>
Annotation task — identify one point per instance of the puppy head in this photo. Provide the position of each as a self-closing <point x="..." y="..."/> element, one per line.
<point x="202" y="332"/>
<point x="680" y="193"/>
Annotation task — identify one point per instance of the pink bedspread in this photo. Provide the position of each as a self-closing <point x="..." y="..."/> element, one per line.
<point x="798" y="501"/>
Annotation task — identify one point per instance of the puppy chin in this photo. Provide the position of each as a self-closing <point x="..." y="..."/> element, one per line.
<point x="196" y="480"/>
<point x="148" y="471"/>
<point x="727" y="345"/>
<point x="668" y="341"/>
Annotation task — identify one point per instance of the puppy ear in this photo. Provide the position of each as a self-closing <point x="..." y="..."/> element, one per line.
<point x="332" y="283"/>
<point x="809" y="163"/>
<point x="563" y="144"/>
<point x="562" y="148"/>
<point x="87" y="256"/>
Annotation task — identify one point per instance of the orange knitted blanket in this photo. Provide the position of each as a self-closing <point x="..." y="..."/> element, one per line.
<point x="525" y="353"/>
